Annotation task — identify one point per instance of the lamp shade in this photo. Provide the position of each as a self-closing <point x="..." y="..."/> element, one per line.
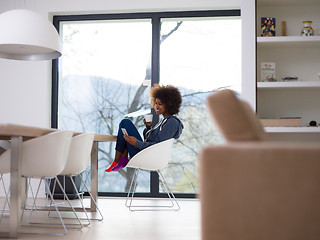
<point x="26" y="35"/>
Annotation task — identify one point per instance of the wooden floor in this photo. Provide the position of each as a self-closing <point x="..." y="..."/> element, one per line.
<point x="120" y="223"/>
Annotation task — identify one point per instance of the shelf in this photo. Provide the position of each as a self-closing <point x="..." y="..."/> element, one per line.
<point x="286" y="2"/>
<point x="289" y="41"/>
<point x="292" y="129"/>
<point x="288" y="85"/>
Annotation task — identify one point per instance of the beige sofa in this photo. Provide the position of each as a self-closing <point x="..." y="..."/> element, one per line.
<point x="254" y="189"/>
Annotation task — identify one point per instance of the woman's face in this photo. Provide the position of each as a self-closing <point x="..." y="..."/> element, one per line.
<point x="159" y="107"/>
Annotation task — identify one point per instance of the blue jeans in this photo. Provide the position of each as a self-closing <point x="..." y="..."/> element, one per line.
<point x="122" y="144"/>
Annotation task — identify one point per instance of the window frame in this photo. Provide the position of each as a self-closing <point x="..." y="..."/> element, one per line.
<point x="155" y="68"/>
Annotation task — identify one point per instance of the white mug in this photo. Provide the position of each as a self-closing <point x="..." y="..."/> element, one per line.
<point x="148" y="118"/>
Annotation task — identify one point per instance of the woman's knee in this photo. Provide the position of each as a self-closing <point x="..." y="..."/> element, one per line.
<point x="130" y="127"/>
<point x="126" y="122"/>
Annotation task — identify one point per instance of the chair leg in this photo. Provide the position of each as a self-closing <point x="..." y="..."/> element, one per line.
<point x="132" y="187"/>
<point x="65" y="198"/>
<point x="53" y="192"/>
<point x="188" y="178"/>
<point x="174" y="204"/>
<point x="24" y="207"/>
<point x="34" y="206"/>
<point x="29" y="186"/>
<point x="95" y="203"/>
<point x="87" y="182"/>
<point x="6" y="202"/>
<point x="80" y="199"/>
<point x="34" y="202"/>
<point x="57" y="210"/>
<point x="169" y="192"/>
<point x="52" y="199"/>
<point x="68" y="200"/>
<point x="53" y="203"/>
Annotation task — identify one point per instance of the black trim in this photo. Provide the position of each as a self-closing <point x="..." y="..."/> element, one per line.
<point x="54" y="94"/>
<point x="155" y="63"/>
<point x="154" y="183"/>
<point x="174" y="14"/>
<point x="55" y="84"/>
<point x="156" y="27"/>
<point x="145" y="195"/>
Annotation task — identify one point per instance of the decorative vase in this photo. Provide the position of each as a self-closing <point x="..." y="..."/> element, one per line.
<point x="307" y="30"/>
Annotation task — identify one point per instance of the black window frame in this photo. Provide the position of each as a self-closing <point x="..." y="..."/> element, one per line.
<point x="155" y="68"/>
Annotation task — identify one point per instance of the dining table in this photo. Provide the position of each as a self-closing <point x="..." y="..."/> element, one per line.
<point x="16" y="134"/>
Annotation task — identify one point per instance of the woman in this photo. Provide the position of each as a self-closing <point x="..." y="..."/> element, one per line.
<point x="166" y="101"/>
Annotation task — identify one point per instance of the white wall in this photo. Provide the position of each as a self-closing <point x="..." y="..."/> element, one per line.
<point x="25" y="87"/>
<point x="248" y="51"/>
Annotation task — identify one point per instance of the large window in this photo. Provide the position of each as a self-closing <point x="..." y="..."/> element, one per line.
<point x="109" y="63"/>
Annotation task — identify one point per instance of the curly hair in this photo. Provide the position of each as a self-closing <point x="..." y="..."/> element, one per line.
<point x="169" y="95"/>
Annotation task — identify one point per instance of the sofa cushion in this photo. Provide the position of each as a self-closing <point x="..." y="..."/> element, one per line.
<point x="235" y="118"/>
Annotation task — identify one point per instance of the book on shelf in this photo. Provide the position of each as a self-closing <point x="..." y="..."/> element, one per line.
<point x="268" y="27"/>
<point x="268" y="72"/>
<point x="281" y="122"/>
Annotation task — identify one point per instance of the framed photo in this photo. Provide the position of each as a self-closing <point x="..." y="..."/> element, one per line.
<point x="268" y="72"/>
<point x="268" y="27"/>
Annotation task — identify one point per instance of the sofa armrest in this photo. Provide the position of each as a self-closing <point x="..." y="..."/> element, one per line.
<point x="257" y="191"/>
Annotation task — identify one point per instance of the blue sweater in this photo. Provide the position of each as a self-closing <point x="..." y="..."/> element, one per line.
<point x="169" y="127"/>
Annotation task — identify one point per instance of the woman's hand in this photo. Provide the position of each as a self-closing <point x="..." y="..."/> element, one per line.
<point x="130" y="139"/>
<point x="148" y="124"/>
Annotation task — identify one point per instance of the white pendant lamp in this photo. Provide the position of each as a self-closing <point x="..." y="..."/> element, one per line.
<point x="26" y="35"/>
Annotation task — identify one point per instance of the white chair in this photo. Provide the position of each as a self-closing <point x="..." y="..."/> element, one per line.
<point x="77" y="163"/>
<point x="153" y="158"/>
<point x="43" y="157"/>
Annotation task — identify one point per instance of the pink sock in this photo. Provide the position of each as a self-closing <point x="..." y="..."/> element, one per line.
<point x="109" y="169"/>
<point x="123" y="161"/>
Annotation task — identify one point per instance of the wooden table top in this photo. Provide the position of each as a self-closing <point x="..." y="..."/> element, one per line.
<point x="8" y="129"/>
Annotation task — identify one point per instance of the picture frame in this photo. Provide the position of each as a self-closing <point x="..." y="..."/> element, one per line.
<point x="268" y="27"/>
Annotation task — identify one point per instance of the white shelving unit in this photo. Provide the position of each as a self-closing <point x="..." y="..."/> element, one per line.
<point x="288" y="41"/>
<point x="294" y="134"/>
<point x="292" y="129"/>
<point x="294" y="56"/>
<point x="288" y="85"/>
